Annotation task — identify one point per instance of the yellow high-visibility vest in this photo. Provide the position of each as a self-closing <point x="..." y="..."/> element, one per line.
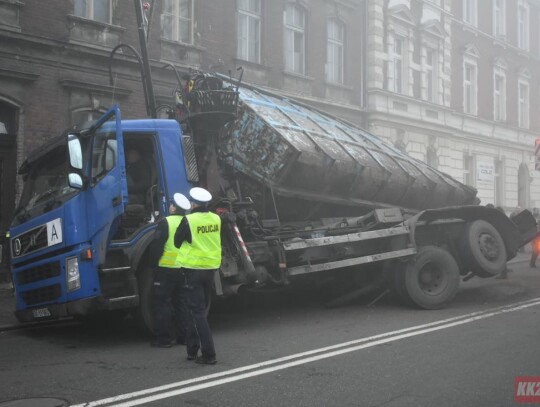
<point x="204" y="251"/>
<point x="171" y="255"/>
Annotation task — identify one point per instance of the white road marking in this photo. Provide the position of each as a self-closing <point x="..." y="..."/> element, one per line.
<point x="265" y="367"/>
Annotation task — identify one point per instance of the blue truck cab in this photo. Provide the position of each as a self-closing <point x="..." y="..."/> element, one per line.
<point x="87" y="214"/>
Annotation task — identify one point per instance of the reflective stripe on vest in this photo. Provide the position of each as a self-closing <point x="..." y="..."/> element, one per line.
<point x="171" y="255"/>
<point x="204" y="252"/>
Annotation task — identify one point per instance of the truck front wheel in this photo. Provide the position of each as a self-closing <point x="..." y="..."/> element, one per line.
<point x="431" y="280"/>
<point x="145" y="316"/>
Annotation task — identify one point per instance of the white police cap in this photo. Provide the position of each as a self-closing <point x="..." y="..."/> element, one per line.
<point x="200" y="195"/>
<point x="181" y="201"/>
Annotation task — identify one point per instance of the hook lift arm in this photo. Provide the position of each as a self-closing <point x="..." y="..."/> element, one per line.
<point x="148" y="89"/>
<point x="143" y="60"/>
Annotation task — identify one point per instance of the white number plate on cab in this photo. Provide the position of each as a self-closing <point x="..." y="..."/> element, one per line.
<point x="41" y="312"/>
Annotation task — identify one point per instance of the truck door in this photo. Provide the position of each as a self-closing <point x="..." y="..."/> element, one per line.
<point x="108" y="185"/>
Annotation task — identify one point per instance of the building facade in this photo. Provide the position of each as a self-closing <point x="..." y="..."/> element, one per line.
<point x="454" y="83"/>
<point x="55" y="60"/>
<point x="451" y="82"/>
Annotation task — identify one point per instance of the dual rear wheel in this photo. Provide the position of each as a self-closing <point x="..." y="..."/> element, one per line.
<point x="431" y="279"/>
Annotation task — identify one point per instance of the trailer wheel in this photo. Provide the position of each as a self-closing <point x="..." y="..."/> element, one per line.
<point x="431" y="280"/>
<point x="484" y="249"/>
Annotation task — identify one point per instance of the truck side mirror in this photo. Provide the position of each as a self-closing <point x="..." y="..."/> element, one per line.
<point x="75" y="181"/>
<point x="75" y="152"/>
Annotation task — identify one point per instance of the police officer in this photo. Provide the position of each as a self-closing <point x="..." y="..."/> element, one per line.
<point x="168" y="279"/>
<point x="199" y="240"/>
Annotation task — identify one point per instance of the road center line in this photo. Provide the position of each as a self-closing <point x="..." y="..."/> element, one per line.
<point x="305" y="357"/>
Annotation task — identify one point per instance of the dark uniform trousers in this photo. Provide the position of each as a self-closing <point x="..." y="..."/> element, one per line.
<point x="168" y="298"/>
<point x="197" y="292"/>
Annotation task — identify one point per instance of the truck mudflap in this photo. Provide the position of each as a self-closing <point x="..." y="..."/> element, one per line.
<point x="515" y="232"/>
<point x="84" y="306"/>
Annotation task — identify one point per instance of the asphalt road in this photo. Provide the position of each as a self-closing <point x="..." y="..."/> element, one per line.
<point x="288" y="350"/>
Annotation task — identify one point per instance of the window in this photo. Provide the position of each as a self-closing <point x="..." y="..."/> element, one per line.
<point x="176" y="20"/>
<point x="523" y="25"/>
<point x="399" y="58"/>
<point x="468" y="169"/>
<point x="469" y="12"/>
<point x="470" y="89"/>
<point x="82" y="117"/>
<point x="98" y="10"/>
<point x="103" y="154"/>
<point x="249" y="30"/>
<point x="499" y="182"/>
<point x="295" y="39"/>
<point x="10" y="12"/>
<point x="334" y="51"/>
<point x="499" y="18"/>
<point x="499" y="94"/>
<point x="523" y="103"/>
<point x="432" y="75"/>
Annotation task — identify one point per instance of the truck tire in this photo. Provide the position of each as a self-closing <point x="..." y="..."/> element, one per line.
<point x="392" y="270"/>
<point x="431" y="280"/>
<point x="484" y="249"/>
<point x="145" y="315"/>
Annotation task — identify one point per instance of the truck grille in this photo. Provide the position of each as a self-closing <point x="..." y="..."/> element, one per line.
<point x="30" y="241"/>
<point x="38" y="273"/>
<point x="43" y="294"/>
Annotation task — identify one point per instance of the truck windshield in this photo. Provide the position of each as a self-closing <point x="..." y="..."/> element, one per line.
<point x="45" y="184"/>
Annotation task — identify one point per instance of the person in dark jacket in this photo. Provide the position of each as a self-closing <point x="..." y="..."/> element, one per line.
<point x="138" y="173"/>
<point x="199" y="239"/>
<point x="169" y="314"/>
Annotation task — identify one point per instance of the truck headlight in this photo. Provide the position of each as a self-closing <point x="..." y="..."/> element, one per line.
<point x="72" y="274"/>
